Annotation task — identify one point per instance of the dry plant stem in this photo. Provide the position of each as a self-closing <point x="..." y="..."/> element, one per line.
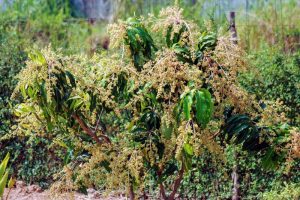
<point x="89" y="131"/>
<point x="176" y="184"/>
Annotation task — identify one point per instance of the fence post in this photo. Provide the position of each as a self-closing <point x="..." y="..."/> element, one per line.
<point x="232" y="27"/>
<point x="234" y="175"/>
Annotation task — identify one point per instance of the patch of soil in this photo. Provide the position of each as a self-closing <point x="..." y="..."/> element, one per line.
<point x="34" y="192"/>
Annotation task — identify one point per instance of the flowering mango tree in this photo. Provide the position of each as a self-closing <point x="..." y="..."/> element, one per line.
<point x="140" y="113"/>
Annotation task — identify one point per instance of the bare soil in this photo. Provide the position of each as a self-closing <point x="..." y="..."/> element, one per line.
<point x="34" y="192"/>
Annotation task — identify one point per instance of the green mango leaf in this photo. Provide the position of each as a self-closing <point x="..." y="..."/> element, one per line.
<point x="74" y="98"/>
<point x="207" y="41"/>
<point x="38" y="57"/>
<point x="31" y="92"/>
<point x="50" y="125"/>
<point x="167" y="130"/>
<point x="77" y="104"/>
<point x="204" y="107"/>
<point x="71" y="79"/>
<point x="43" y="91"/>
<point x="187" y="106"/>
<point x="140" y="42"/>
<point x="168" y="36"/>
<point x="23" y="91"/>
<point x="93" y="102"/>
<point x="188" y="149"/>
<point x="187" y="161"/>
<point x="23" y="109"/>
<point x="177" y="112"/>
<point x="240" y="129"/>
<point x="270" y="159"/>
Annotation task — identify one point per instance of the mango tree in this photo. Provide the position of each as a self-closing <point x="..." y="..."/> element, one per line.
<point x="144" y="110"/>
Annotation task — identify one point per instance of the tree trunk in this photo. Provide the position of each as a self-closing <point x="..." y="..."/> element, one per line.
<point x="161" y="186"/>
<point x="131" y="192"/>
<point x="177" y="184"/>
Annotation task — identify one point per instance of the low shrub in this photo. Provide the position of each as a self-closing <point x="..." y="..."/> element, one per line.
<point x="275" y="76"/>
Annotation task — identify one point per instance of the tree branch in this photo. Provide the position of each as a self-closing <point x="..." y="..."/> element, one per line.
<point x="162" y="191"/>
<point x="215" y="134"/>
<point x="161" y="186"/>
<point x="177" y="183"/>
<point x="89" y="131"/>
<point x="131" y="192"/>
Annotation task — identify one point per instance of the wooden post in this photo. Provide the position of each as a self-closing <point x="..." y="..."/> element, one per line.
<point x="236" y="185"/>
<point x="232" y="27"/>
<point x="234" y="175"/>
<point x="247" y="25"/>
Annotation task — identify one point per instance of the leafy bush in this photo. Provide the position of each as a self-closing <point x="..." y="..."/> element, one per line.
<point x="12" y="60"/>
<point x="290" y="191"/>
<point x="212" y="180"/>
<point x="275" y="76"/>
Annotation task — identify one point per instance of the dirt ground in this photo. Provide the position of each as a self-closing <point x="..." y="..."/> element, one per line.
<point x="34" y="192"/>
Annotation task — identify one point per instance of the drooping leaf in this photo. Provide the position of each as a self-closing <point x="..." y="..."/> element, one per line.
<point x="187" y="106"/>
<point x="140" y="42"/>
<point x="71" y="78"/>
<point x="207" y="41"/>
<point x="168" y="36"/>
<point x="204" y="107"/>
<point x="188" y="149"/>
<point x="240" y="129"/>
<point x="270" y="159"/>
<point x="93" y="102"/>
<point x="183" y="53"/>
<point x="38" y="57"/>
<point x="43" y="92"/>
<point x="187" y="161"/>
<point x="23" y="91"/>
<point x="167" y="130"/>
